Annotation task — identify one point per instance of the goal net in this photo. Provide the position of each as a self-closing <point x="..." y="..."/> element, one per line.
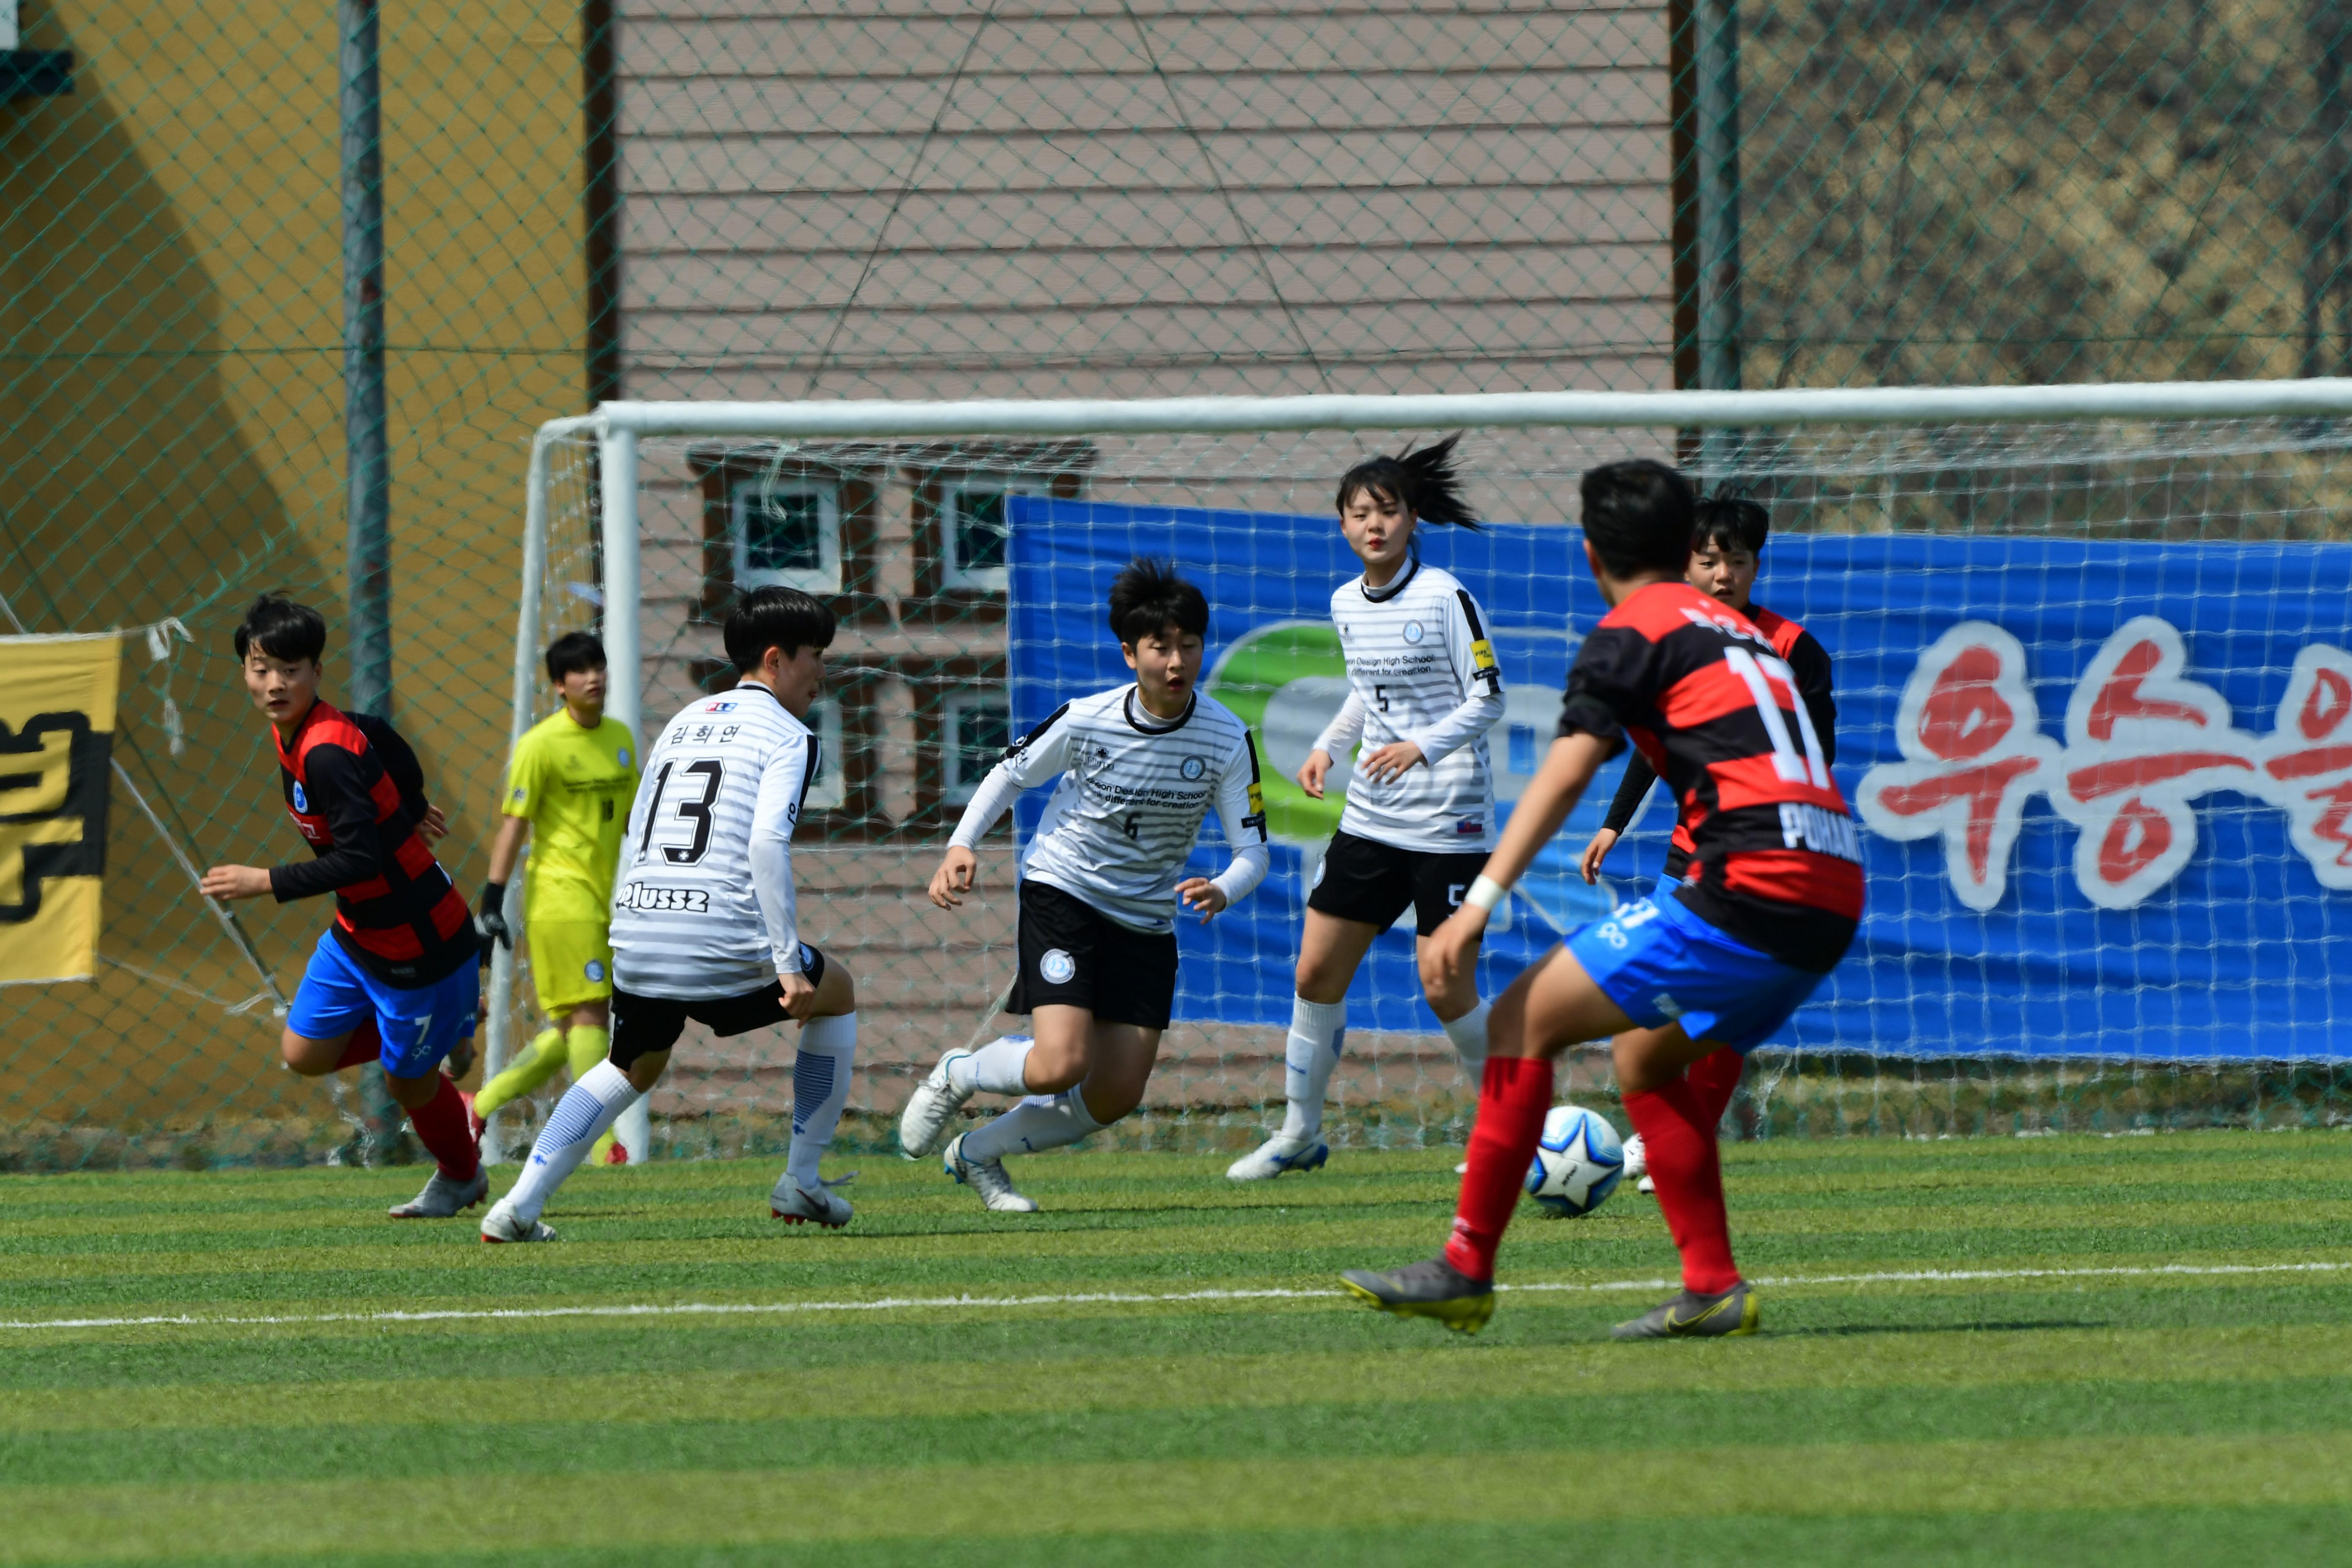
<point x="2093" y="680"/>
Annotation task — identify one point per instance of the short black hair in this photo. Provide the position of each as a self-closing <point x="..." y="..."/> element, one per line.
<point x="775" y="617"/>
<point x="1731" y="517"/>
<point x="1637" y="517"/>
<point x="571" y="653"/>
<point x="282" y="629"/>
<point x="1148" y="596"/>
<point x="1423" y="480"/>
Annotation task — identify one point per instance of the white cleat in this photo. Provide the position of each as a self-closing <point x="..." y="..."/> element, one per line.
<point x="796" y="1204"/>
<point x="1279" y="1154"/>
<point x="443" y="1198"/>
<point x="987" y="1178"/>
<point x="928" y="1109"/>
<point x="502" y="1224"/>
<point x="1637" y="1165"/>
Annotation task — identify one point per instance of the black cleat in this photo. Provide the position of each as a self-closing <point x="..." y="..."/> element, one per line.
<point x="1690" y="1316"/>
<point x="1431" y="1288"/>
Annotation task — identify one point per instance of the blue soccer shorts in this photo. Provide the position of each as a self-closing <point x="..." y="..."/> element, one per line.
<point x="1663" y="964"/>
<point x="419" y="1026"/>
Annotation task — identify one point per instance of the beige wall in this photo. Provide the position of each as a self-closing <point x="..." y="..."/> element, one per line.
<point x="1150" y="199"/>
<point x="170" y="310"/>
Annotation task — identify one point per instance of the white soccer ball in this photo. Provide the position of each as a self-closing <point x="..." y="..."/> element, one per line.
<point x="1578" y="1163"/>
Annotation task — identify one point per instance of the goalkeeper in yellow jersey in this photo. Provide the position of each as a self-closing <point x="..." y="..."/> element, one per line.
<point x="571" y="784"/>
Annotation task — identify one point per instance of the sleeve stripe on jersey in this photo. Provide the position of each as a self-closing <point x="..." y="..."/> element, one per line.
<point x="1470" y="609"/>
<point x="1031" y="738"/>
<point x="1256" y="817"/>
<point x="808" y="776"/>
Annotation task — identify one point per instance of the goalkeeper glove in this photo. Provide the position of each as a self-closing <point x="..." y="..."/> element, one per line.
<point x="490" y="918"/>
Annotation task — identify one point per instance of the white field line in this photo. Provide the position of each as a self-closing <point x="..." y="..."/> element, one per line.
<point x="899" y="1303"/>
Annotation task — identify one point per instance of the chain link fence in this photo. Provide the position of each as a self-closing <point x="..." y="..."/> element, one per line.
<point x="904" y="198"/>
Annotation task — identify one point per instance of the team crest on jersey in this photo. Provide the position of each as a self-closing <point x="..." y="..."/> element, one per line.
<point x="1193" y="767"/>
<point x="622" y="757"/>
<point x="1058" y="967"/>
<point x="301" y="800"/>
<point x="1414" y="632"/>
<point x="596" y="970"/>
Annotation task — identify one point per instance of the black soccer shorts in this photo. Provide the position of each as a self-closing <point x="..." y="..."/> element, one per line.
<point x="644" y="1025"/>
<point x="1074" y="956"/>
<point x="1363" y="880"/>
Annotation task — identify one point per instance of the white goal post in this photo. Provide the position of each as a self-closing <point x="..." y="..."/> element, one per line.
<point x="1716" y="434"/>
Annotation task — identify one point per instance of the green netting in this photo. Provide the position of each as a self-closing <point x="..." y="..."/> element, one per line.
<point x="899" y="197"/>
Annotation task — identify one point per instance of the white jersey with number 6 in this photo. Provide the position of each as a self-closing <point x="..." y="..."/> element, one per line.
<point x="1134" y="789"/>
<point x="704" y="905"/>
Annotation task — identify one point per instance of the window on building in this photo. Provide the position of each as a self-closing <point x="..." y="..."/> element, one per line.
<point x="975" y="727"/>
<point x="971" y="527"/>
<point x="830" y="791"/>
<point x="786" y="531"/>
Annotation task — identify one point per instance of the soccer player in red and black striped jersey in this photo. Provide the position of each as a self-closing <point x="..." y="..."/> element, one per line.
<point x="1726" y="552"/>
<point x="396" y="979"/>
<point x="1771" y="901"/>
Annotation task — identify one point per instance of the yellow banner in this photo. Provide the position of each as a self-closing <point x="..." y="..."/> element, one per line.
<point x="56" y="735"/>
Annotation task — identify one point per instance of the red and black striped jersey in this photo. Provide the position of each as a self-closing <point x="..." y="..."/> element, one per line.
<point x="1720" y="714"/>
<point x="1805" y="655"/>
<point x="397" y="911"/>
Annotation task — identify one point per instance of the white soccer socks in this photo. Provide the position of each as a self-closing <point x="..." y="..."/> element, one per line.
<point x="1468" y="1034"/>
<point x="1318" y="1033"/>
<point x="996" y="1066"/>
<point x="1039" y="1122"/>
<point x="820" y="1089"/>
<point x="587" y="1109"/>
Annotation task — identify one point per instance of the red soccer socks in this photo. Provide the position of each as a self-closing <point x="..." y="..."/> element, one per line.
<point x="1679" y="1131"/>
<point x="1513" y="1096"/>
<point x="441" y="1127"/>
<point x="365" y="1045"/>
<point x="1716" y="1079"/>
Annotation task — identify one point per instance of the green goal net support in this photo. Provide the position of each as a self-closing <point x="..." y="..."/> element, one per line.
<point x="2035" y="959"/>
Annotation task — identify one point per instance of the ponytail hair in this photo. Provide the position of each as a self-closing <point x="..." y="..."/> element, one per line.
<point x="1423" y="481"/>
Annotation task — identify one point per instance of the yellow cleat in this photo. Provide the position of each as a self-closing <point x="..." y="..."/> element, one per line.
<point x="1431" y="1288"/>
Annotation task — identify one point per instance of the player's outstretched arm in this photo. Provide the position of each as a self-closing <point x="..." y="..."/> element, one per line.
<point x="1550" y="795"/>
<point x="1038" y="756"/>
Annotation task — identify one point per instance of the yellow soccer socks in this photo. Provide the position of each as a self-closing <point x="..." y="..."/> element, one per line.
<point x="586" y="1047"/>
<point x="534" y="1067"/>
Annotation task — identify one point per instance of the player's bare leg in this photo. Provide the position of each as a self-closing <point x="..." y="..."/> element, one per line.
<point x="1329" y="951"/>
<point x="821" y="1070"/>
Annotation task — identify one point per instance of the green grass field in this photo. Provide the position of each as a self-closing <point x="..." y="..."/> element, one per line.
<point x="2134" y="1349"/>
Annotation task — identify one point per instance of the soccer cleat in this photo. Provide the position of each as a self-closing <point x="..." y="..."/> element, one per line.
<point x="503" y="1225"/>
<point x="1279" y="1154"/>
<point x="1430" y="1289"/>
<point x="935" y="1100"/>
<point x="1637" y="1165"/>
<point x="796" y="1204"/>
<point x="444" y="1199"/>
<point x="1695" y="1317"/>
<point x="987" y="1178"/>
<point x="618" y="1154"/>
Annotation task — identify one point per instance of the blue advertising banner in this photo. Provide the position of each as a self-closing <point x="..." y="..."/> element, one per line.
<point x="2106" y="787"/>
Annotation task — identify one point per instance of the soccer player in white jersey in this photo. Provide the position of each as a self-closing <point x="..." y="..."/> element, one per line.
<point x="1423" y="690"/>
<point x="704" y="921"/>
<point x="1140" y="766"/>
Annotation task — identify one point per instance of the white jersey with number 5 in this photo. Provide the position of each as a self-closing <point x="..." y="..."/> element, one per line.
<point x="704" y="905"/>
<point x="1420" y="668"/>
